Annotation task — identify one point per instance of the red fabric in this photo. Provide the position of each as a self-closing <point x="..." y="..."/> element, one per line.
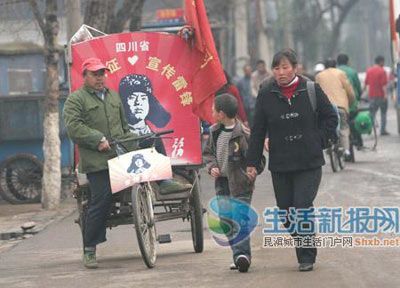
<point x="232" y="89"/>
<point x="210" y="76"/>
<point x="288" y="91"/>
<point x="376" y="79"/>
<point x="392" y="22"/>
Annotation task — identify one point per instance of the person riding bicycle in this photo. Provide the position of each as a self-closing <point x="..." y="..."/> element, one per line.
<point x="343" y="64"/>
<point x="94" y="114"/>
<point x="337" y="87"/>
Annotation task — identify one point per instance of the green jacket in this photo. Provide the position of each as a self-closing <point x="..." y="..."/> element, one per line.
<point x="88" y="119"/>
<point x="355" y="83"/>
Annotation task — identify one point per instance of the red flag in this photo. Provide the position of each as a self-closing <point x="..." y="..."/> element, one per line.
<point x="393" y="35"/>
<point x="392" y="22"/>
<point x="210" y="76"/>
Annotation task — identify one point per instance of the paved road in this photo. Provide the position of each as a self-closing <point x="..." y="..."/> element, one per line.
<point x="52" y="258"/>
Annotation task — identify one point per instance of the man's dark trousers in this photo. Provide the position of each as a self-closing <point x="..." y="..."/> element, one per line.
<point x="98" y="208"/>
<point x="379" y="103"/>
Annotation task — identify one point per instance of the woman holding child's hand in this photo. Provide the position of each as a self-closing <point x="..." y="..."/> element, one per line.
<point x="297" y="131"/>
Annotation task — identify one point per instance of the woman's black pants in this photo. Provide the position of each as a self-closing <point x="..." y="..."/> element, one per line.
<point x="297" y="189"/>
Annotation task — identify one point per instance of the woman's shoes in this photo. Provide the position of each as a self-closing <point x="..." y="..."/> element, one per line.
<point x="305" y="267"/>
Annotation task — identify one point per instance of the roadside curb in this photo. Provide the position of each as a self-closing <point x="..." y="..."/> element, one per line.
<point x="11" y="232"/>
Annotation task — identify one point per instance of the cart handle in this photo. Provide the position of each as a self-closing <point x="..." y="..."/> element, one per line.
<point x="141" y="137"/>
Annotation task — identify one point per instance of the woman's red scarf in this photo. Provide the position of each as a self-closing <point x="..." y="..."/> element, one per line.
<point x="288" y="90"/>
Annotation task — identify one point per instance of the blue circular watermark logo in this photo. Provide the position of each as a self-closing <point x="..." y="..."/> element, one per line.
<point x="230" y="220"/>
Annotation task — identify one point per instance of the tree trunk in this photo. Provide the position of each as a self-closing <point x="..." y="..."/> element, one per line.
<point x="73" y="15"/>
<point x="98" y="14"/>
<point x="119" y="21"/>
<point x="51" y="181"/>
<point x="136" y="16"/>
<point x="344" y="11"/>
<point x="51" y="146"/>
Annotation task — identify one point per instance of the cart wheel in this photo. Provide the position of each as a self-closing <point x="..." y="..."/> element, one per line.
<point x="352" y="155"/>
<point x="143" y="219"/>
<point x="21" y="179"/>
<point x="196" y="216"/>
<point x="340" y="157"/>
<point x="82" y="195"/>
<point x="375" y="136"/>
<point x="333" y="157"/>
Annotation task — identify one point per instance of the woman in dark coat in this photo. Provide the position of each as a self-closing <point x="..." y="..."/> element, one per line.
<point x="297" y="135"/>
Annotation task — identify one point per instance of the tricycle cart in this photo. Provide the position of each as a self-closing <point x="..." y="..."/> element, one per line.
<point x="134" y="58"/>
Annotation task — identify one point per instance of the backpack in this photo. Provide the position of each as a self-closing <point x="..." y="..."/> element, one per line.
<point x="312" y="96"/>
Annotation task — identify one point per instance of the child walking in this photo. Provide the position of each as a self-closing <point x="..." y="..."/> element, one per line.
<point x="224" y="156"/>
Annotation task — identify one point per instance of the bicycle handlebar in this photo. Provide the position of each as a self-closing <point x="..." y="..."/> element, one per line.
<point x="141" y="137"/>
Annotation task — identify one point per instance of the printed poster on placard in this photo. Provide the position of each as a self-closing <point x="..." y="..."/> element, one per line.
<point x="153" y="73"/>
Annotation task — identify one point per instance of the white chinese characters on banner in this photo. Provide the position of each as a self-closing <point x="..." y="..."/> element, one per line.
<point x="178" y="147"/>
<point x="132" y="46"/>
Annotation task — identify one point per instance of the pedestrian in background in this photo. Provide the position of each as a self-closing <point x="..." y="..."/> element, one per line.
<point x="259" y="76"/>
<point x="375" y="83"/>
<point x="302" y="71"/>
<point x="231" y="89"/>
<point x="244" y="86"/>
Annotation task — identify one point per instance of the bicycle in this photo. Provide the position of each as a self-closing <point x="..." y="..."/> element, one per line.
<point x="143" y="205"/>
<point x="336" y="157"/>
<point x="363" y="131"/>
<point x="336" y="151"/>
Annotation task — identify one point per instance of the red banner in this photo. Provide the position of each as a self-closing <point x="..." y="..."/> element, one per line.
<point x="153" y="73"/>
<point x="210" y="76"/>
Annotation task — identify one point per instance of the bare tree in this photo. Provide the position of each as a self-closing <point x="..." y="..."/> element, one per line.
<point x="102" y="15"/>
<point x="136" y="16"/>
<point x="343" y="10"/>
<point x="315" y="25"/>
<point x="49" y="26"/>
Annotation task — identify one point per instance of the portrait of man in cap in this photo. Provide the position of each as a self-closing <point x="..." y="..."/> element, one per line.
<point x="138" y="164"/>
<point x="140" y="104"/>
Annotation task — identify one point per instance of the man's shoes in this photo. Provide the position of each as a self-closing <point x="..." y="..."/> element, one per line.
<point x="89" y="259"/>
<point x="385" y="133"/>
<point x="233" y="267"/>
<point x="305" y="267"/>
<point x="173" y="186"/>
<point x="243" y="263"/>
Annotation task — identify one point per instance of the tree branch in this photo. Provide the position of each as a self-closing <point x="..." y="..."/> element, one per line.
<point x="38" y="16"/>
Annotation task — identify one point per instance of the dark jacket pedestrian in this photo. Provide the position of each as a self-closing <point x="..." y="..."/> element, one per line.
<point x="297" y="136"/>
<point x="246" y="92"/>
